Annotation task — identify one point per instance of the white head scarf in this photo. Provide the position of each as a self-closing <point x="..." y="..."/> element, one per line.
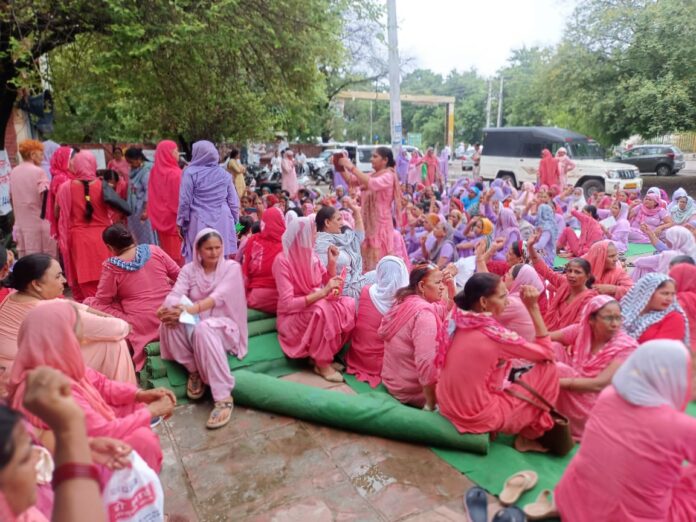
<point x="392" y="274"/>
<point x="290" y="216"/>
<point x="656" y="373"/>
<point x="682" y="240"/>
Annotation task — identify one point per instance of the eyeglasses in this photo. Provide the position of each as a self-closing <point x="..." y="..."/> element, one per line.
<point x="610" y="318"/>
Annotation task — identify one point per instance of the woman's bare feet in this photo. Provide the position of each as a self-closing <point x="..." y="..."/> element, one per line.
<point x="328" y="373"/>
<point x="523" y="444"/>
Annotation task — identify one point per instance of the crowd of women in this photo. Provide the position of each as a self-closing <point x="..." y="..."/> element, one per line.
<point x="450" y="296"/>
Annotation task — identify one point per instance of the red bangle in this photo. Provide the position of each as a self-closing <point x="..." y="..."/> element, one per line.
<point x="73" y="470"/>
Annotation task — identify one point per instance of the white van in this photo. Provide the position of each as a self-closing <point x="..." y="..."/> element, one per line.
<point x="364" y="155"/>
<point x="514" y="153"/>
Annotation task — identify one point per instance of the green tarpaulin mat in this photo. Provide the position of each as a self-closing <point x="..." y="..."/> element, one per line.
<point x="261" y="326"/>
<point x="372" y="414"/>
<point x="634" y="249"/>
<point x="255" y="315"/>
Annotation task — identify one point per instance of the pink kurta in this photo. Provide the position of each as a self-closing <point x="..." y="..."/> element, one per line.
<point x="132" y="422"/>
<point x="221" y="330"/>
<point x="364" y="359"/>
<point x="317" y="331"/>
<point x="377" y="215"/>
<point x="135" y="296"/>
<point x="409" y="357"/>
<point x="630" y="465"/>
<point x="28" y="183"/>
<point x="470" y="390"/>
<point x="104" y="347"/>
<point x="288" y="177"/>
<point x="636" y="235"/>
<point x="516" y="317"/>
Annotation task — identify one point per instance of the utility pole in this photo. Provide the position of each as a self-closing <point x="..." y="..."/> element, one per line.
<point x="488" y="103"/>
<point x="394" y="85"/>
<point x="500" y="102"/>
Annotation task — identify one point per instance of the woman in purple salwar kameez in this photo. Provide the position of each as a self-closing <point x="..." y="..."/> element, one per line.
<point x="211" y="290"/>
<point x="207" y="199"/>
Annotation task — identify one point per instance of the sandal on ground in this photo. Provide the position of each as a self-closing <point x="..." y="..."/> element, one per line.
<point x="517" y="484"/>
<point x="331" y="377"/>
<point x="476" y="504"/>
<point x="217" y="418"/>
<point x="194" y="387"/>
<point x="510" y="514"/>
<point x="543" y="508"/>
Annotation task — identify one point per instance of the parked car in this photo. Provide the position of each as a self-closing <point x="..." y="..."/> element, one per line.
<point x="661" y="159"/>
<point x="467" y="159"/>
<point x="514" y="153"/>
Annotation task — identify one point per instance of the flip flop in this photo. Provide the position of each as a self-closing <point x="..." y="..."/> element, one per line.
<point x="517" y="484"/>
<point x="510" y="514"/>
<point x="543" y="508"/>
<point x="194" y="393"/>
<point x="220" y="406"/>
<point x="476" y="504"/>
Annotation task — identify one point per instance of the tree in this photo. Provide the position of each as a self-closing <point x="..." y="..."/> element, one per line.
<point x="525" y="99"/>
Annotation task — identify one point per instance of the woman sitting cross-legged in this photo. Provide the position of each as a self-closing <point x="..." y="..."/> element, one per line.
<point x="415" y="332"/>
<point x="314" y="319"/>
<point x="636" y="460"/>
<point x="133" y="285"/>
<point x="257" y="264"/>
<point x="38" y="279"/>
<point x="472" y="388"/>
<point x="591" y="352"/>
<point x="610" y="277"/>
<point x="364" y="358"/>
<point x="211" y="289"/>
<point x="50" y="336"/>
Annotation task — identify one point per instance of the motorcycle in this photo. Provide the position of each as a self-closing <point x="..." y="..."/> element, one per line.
<point x="319" y="170"/>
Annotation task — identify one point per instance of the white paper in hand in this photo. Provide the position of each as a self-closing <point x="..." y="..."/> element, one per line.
<point x="187" y="319"/>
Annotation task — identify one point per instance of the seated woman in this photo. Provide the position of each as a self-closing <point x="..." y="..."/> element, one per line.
<point x="590" y="232"/>
<point x="680" y="242"/>
<point x="442" y="250"/>
<point x="631" y="463"/>
<point x="609" y="276"/>
<point x="210" y="288"/>
<point x="38" y="279"/>
<point x="410" y="366"/>
<point x="587" y="358"/>
<point x="133" y="285"/>
<point x="651" y="311"/>
<point x="684" y="276"/>
<point x="332" y="232"/>
<point x="545" y="221"/>
<point x="50" y="336"/>
<point x="649" y="213"/>
<point x="314" y="320"/>
<point x="571" y="291"/>
<point x="261" y="251"/>
<point x="682" y="209"/>
<point x="471" y="391"/>
<point x="618" y="231"/>
<point x="507" y="229"/>
<point x="477" y="229"/>
<point x="422" y="238"/>
<point x="364" y="358"/>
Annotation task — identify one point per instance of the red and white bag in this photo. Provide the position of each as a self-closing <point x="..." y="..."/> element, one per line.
<point x="134" y="494"/>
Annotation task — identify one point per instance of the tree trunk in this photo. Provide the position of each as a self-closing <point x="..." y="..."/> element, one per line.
<point x="8" y="96"/>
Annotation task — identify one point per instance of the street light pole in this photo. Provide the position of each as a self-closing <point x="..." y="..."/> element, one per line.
<point x="488" y="103"/>
<point x="394" y="85"/>
<point x="500" y="102"/>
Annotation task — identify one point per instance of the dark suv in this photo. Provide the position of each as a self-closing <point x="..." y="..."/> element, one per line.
<point x="661" y="159"/>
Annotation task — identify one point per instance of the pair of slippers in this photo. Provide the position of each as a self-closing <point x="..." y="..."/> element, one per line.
<point x="543" y="508"/>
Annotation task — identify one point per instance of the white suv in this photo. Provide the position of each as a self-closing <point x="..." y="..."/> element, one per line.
<point x="514" y="153"/>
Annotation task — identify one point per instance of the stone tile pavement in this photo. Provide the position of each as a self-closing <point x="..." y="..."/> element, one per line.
<point x="266" y="467"/>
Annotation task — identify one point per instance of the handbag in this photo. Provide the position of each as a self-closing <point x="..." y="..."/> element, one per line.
<point x="558" y="440"/>
<point x="115" y="201"/>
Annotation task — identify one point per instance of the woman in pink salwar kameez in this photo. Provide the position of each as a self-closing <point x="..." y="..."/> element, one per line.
<point x="50" y="336"/>
<point x="472" y="388"/>
<point x="631" y="463"/>
<point x="364" y="359"/>
<point x="215" y="287"/>
<point x="314" y="319"/>
<point x="381" y="189"/>
<point x="587" y="357"/>
<point x="133" y="285"/>
<point x="415" y="334"/>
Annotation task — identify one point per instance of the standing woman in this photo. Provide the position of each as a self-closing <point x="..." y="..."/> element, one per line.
<point x="216" y="288"/>
<point x="572" y="291"/>
<point x="138" y="221"/>
<point x="288" y="173"/>
<point x="60" y="173"/>
<point x="314" y="320"/>
<point x="207" y="199"/>
<point x="82" y="218"/>
<point x="380" y="189"/>
<point x="163" y="198"/>
<point x="651" y="311"/>
<point x="119" y="163"/>
<point x="565" y="165"/>
<point x="364" y="358"/>
<point x="257" y="266"/>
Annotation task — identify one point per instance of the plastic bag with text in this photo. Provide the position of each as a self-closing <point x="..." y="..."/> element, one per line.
<point x="134" y="494"/>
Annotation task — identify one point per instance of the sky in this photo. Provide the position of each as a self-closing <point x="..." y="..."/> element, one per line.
<point x="442" y="35"/>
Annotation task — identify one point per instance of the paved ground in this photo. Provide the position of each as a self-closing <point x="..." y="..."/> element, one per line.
<point x="264" y="467"/>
